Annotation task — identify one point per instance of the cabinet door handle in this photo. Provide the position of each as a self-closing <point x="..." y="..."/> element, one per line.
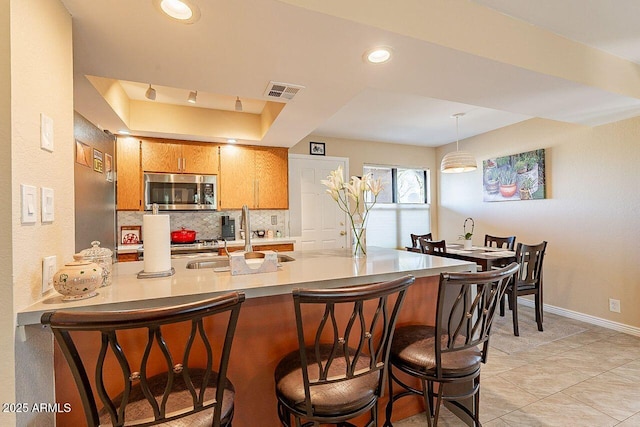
<point x="184" y="164"/>
<point x="257" y="193"/>
<point x="179" y="164"/>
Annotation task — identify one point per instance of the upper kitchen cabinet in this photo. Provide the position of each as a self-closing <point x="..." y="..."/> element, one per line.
<point x="179" y="157"/>
<point x="129" y="175"/>
<point x="253" y="176"/>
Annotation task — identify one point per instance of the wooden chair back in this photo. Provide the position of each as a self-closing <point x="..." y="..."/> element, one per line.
<point x="500" y="242"/>
<point x="432" y="247"/>
<point x="530" y="258"/>
<point x="200" y="386"/>
<point x="415" y="237"/>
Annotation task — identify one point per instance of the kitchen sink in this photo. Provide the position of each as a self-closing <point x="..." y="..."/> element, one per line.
<point x="221" y="263"/>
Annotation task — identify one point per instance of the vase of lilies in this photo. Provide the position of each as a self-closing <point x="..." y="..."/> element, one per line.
<point x="350" y="197"/>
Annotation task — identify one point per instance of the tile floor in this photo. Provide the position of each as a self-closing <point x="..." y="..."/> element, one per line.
<point x="591" y="379"/>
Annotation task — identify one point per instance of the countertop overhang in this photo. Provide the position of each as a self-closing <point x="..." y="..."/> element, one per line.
<point x="311" y="269"/>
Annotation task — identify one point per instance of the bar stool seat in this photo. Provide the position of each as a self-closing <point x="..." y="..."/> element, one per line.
<point x="414" y="346"/>
<point x="139" y="408"/>
<point x="329" y="398"/>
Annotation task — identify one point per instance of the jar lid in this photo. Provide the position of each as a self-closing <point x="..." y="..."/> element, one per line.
<point x="78" y="259"/>
<point x="95" y="251"/>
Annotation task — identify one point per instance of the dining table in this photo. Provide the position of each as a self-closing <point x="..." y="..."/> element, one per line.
<point x="485" y="257"/>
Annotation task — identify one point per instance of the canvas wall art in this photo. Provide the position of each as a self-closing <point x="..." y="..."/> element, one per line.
<point x="515" y="177"/>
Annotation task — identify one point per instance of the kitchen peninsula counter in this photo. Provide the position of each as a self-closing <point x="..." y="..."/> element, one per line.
<point x="266" y="327"/>
<point x="323" y="268"/>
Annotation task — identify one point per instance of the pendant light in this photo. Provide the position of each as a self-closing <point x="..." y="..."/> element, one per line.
<point x="238" y="104"/>
<point x="150" y="93"/>
<point x="458" y="161"/>
<point x="192" y="97"/>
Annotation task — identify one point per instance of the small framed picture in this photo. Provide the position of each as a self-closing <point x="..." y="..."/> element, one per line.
<point x="98" y="160"/>
<point x="316" y="148"/>
<point x="130" y="234"/>
<point x="108" y="166"/>
<point x="83" y="154"/>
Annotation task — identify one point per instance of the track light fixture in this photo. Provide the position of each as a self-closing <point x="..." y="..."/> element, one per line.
<point x="192" y="97"/>
<point x="150" y="93"/>
<point x="238" y="104"/>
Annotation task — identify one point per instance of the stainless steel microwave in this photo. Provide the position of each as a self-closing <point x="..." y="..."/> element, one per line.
<point x="180" y="192"/>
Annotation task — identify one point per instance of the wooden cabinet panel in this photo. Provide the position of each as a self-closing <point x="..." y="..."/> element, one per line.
<point x="127" y="257"/>
<point x="128" y="174"/>
<point x="200" y="158"/>
<point x="278" y="247"/>
<point x="237" y="177"/>
<point x="160" y="156"/>
<point x="272" y="178"/>
<point x="170" y="156"/>
<point x="254" y="176"/>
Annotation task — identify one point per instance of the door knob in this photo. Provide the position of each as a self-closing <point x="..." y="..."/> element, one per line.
<point x="342" y="233"/>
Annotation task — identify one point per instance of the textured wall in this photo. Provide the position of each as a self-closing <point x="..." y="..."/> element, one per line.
<point x="590" y="217"/>
<point x="41" y="82"/>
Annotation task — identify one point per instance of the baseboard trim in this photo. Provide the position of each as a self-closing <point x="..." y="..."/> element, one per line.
<point x="609" y="324"/>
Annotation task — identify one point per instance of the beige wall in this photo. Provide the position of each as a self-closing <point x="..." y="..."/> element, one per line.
<point x="590" y="217"/>
<point x="7" y="376"/>
<point x="361" y="152"/>
<point x="41" y="82"/>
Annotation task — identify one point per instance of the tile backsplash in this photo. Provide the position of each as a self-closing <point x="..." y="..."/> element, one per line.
<point x="208" y="225"/>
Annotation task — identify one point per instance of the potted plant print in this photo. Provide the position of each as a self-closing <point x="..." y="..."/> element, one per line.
<point x="507" y="181"/>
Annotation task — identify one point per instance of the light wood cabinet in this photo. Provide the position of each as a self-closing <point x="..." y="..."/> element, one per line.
<point x="128" y="174"/>
<point x="170" y="156"/>
<point x="253" y="176"/>
<point x="278" y="247"/>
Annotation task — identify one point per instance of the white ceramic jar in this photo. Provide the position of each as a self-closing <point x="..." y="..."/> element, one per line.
<point x="101" y="256"/>
<point x="78" y="279"/>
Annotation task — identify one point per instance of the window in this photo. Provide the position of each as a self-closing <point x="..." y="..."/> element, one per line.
<point x="402" y="206"/>
<point x="400" y="185"/>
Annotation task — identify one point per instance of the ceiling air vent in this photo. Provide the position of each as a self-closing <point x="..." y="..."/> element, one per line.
<point x="282" y="91"/>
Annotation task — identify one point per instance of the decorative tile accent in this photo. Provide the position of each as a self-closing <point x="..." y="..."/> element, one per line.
<point x="208" y="225"/>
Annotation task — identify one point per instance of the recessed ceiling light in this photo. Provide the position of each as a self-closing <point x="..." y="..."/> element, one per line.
<point x="232" y="140"/>
<point x="181" y="10"/>
<point x="378" y="55"/>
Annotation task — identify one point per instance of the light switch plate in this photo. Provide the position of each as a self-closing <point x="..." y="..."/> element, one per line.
<point x="46" y="132"/>
<point x="49" y="267"/>
<point x="29" y="199"/>
<point x="46" y="198"/>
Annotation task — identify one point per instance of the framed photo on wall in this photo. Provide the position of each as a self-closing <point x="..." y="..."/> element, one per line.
<point x="130" y="234"/>
<point x="316" y="148"/>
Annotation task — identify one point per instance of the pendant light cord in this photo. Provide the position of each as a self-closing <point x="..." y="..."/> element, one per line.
<point x="457" y="133"/>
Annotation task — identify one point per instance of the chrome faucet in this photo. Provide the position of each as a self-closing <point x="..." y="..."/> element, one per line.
<point x="247" y="229"/>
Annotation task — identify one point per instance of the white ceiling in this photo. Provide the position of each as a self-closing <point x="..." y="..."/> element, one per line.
<point x="237" y="47"/>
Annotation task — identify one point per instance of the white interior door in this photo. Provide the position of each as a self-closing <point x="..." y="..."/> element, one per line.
<point x="314" y="216"/>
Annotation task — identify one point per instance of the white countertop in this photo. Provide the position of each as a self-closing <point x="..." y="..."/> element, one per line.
<point x="311" y="269"/>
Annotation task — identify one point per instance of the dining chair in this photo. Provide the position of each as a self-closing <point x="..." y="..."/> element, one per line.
<point x="340" y="368"/>
<point x="432" y="247"/>
<point x="451" y="352"/>
<point x="528" y="281"/>
<point x="173" y="378"/>
<point x="415" y="237"/>
<point x="500" y="242"/>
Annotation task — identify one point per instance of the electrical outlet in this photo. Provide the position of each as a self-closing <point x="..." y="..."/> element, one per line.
<point x="274" y="219"/>
<point x="49" y="267"/>
<point x="614" y="305"/>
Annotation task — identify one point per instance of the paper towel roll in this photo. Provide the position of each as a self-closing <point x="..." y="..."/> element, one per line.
<point x="156" y="243"/>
